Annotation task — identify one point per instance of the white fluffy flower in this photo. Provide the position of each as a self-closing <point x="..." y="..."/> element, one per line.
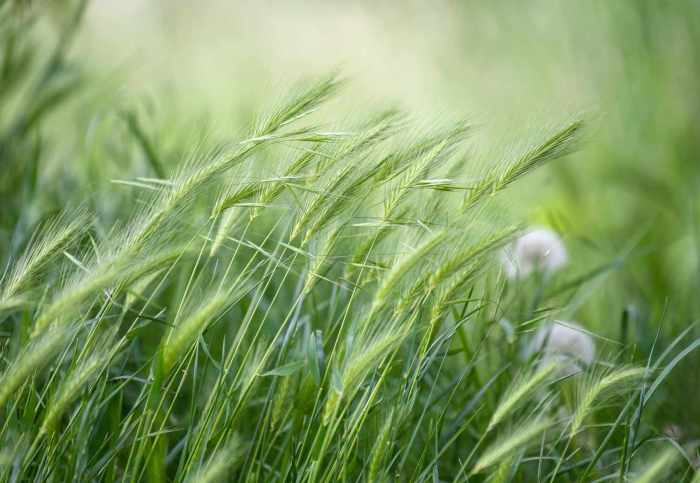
<point x="566" y="341"/>
<point x="539" y="249"/>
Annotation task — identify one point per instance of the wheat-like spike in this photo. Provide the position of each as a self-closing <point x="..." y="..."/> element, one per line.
<point x="34" y="357"/>
<point x="72" y="297"/>
<point x="380" y="448"/>
<point x="236" y="195"/>
<point x="186" y="332"/>
<point x="340" y="203"/>
<point x="320" y="198"/>
<point x="281" y="401"/>
<point x="659" y="467"/>
<point x="558" y="145"/>
<point x="467" y="255"/>
<point x="449" y="292"/>
<point x="400" y="160"/>
<point x="55" y="235"/>
<point x="363" y="360"/>
<point x="410" y="177"/>
<point x="98" y="277"/>
<point x="218" y="466"/>
<point x="598" y="388"/>
<point x="69" y="388"/>
<point x="519" y="391"/>
<point x="413" y="297"/>
<point x="228" y="219"/>
<point x="403" y="266"/>
<point x="367" y="136"/>
<point x="321" y="257"/>
<point x="11" y="304"/>
<point x="359" y="363"/>
<point x="300" y="103"/>
<point x="502" y="448"/>
<point x="273" y="189"/>
<point x="151" y="263"/>
<point x="341" y="189"/>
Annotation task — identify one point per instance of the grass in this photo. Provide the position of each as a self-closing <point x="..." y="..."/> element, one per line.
<point x="312" y="300"/>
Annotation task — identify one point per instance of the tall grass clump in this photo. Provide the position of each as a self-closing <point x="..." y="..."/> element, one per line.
<point x="306" y="300"/>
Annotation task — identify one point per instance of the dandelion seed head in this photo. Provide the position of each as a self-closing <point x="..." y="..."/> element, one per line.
<point x="540" y="249"/>
<point x="566" y="341"/>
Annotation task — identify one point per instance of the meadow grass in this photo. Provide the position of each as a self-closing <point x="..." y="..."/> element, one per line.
<point x="299" y="303"/>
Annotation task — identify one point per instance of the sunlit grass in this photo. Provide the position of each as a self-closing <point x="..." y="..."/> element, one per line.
<point x="305" y="302"/>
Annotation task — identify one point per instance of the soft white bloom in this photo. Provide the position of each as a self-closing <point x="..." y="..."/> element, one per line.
<point x="538" y="249"/>
<point x="566" y="341"/>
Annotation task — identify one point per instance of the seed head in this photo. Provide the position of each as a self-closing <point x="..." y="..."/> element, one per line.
<point x="567" y="341"/>
<point x="540" y="249"/>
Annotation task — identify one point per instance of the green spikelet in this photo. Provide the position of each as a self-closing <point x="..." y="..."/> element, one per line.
<point x="503" y="448"/>
<point x="600" y="387"/>
<point x="218" y="467"/>
<point x="380" y="449"/>
<point x="70" y="388"/>
<point x="519" y="391"/>
<point x="34" y="357"/>
<point x="659" y="468"/>
<point x="186" y="332"/>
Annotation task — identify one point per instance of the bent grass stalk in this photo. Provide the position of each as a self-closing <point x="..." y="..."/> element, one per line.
<point x="598" y="388"/>
<point x="33" y="358"/>
<point x="519" y="391"/>
<point x="502" y="448"/>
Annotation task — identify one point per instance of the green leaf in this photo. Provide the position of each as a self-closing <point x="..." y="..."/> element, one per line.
<point x="286" y="369"/>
